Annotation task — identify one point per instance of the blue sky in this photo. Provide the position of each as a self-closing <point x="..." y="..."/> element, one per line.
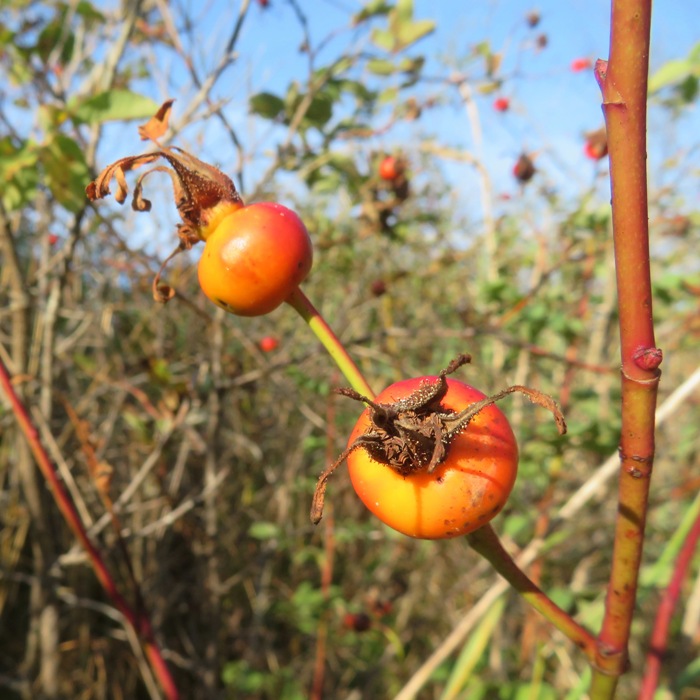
<point x="551" y="106"/>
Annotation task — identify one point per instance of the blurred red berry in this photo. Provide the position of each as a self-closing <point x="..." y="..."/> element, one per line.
<point x="596" y="146"/>
<point x="380" y="608"/>
<point x="501" y="104"/>
<point x="541" y="41"/>
<point x="533" y="18"/>
<point x="592" y="152"/>
<point x="580" y="64"/>
<point x="263" y="3"/>
<point x="358" y="622"/>
<point x="524" y="168"/>
<point x="268" y="343"/>
<point x="378" y="287"/>
<point x="53" y="239"/>
<point x="391" y="168"/>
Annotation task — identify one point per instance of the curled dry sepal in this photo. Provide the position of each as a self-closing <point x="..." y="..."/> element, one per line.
<point x="198" y="188"/>
<point x="413" y="435"/>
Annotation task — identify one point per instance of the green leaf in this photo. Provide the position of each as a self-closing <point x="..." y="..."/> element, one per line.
<point x="670" y="73"/>
<point x="113" y="105"/>
<point x="384" y="39"/>
<point x="403" y="11"/>
<point x="380" y="66"/>
<point x="358" y="90"/>
<point x="89" y="13"/>
<point x="67" y="172"/>
<point x="694" y="55"/>
<point x="372" y="9"/>
<point x="263" y="531"/>
<point x="18" y="173"/>
<point x="267" y="105"/>
<point x="389" y="96"/>
<point x="413" y="32"/>
<point x="19" y="71"/>
<point x="688" y="89"/>
<point x="404" y="29"/>
<point x="320" y="110"/>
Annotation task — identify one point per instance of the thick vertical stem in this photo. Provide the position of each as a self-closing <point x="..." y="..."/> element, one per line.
<point x="623" y="82"/>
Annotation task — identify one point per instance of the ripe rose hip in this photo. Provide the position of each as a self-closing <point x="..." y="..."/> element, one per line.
<point x="254" y="258"/>
<point x="432" y="457"/>
<point x="464" y="492"/>
<point x="524" y="169"/>
<point x="596" y="146"/>
<point x="390" y="168"/>
<point x="501" y="104"/>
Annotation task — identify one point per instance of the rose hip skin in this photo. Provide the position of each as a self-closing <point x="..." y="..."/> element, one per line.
<point x="254" y="258"/>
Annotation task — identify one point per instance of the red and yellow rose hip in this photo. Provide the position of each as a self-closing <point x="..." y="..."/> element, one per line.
<point x="254" y="258"/>
<point x="465" y="491"/>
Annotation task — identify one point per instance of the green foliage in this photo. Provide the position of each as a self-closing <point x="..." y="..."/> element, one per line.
<point x="111" y="105"/>
<point x="682" y="76"/>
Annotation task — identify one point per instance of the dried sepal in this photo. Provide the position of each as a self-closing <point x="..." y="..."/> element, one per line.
<point x="99" y="187"/>
<point x="163" y="292"/>
<point x="199" y="189"/>
<point x="457" y="422"/>
<point x="157" y="125"/>
<point x="322" y="483"/>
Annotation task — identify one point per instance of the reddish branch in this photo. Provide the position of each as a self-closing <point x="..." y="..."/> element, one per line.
<point x="659" y="637"/>
<point x="137" y="619"/>
<point x="623" y="82"/>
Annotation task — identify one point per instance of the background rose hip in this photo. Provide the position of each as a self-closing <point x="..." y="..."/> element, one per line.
<point x="524" y="168"/>
<point x="390" y="168"/>
<point x="580" y="64"/>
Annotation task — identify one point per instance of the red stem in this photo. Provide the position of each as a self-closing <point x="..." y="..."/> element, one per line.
<point x="137" y="620"/>
<point x="659" y="637"/>
<point x="623" y="81"/>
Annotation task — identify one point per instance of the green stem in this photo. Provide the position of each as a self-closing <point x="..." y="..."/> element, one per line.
<point x="485" y="541"/>
<point x="303" y="306"/>
<point x="623" y="82"/>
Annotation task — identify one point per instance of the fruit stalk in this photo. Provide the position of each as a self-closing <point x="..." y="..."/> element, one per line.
<point x="485" y="541"/>
<point x="623" y="82"/>
<point x="303" y="306"/>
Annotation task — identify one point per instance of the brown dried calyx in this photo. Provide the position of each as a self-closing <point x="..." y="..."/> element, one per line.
<point x="200" y="189"/>
<point x="413" y="434"/>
